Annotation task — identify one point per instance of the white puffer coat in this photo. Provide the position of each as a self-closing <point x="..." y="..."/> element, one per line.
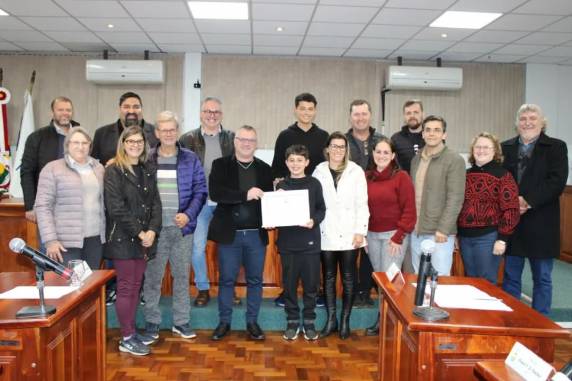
<point x="347" y="212"/>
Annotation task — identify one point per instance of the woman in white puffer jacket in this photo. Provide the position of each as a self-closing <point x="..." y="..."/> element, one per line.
<point x="344" y="228"/>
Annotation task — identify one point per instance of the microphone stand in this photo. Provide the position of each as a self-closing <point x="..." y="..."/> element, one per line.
<point x="42" y="309"/>
<point x="431" y="313"/>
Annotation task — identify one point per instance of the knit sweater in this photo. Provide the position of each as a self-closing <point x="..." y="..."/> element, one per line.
<point x="298" y="239"/>
<point x="491" y="202"/>
<point x="391" y="201"/>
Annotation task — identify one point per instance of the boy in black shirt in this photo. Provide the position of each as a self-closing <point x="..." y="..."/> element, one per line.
<point x="299" y="247"/>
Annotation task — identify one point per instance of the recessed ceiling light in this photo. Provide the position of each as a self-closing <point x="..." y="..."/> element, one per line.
<point x="279" y="29"/>
<point x="110" y="26"/>
<point x="464" y="20"/>
<point x="444" y="35"/>
<point x="3" y="13"/>
<point x="218" y="10"/>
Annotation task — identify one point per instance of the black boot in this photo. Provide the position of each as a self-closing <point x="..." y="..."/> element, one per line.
<point x="347" y="301"/>
<point x="330" y="299"/>
<point x="374" y="329"/>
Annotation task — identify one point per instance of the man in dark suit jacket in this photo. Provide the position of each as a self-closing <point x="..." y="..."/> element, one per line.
<point x="539" y="164"/>
<point x="237" y="183"/>
<point x="42" y="146"/>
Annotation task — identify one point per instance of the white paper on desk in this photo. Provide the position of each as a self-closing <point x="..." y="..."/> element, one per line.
<point x="31" y="292"/>
<point x="285" y="208"/>
<point x="467" y="297"/>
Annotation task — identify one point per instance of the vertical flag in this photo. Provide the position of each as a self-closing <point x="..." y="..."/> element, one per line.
<point x="26" y="128"/>
<point x="4" y="142"/>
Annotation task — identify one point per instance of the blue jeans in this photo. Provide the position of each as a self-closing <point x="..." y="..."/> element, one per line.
<point x="247" y="250"/>
<point x="541" y="269"/>
<point x="478" y="257"/>
<point x="198" y="258"/>
<point x="441" y="259"/>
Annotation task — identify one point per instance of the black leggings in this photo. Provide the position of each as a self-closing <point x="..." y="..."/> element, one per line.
<point x="347" y="262"/>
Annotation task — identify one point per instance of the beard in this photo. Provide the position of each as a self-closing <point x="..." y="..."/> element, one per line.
<point x="131" y="119"/>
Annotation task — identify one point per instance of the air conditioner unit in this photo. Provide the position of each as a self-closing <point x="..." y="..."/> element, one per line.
<point x="111" y="72"/>
<point x="424" y="78"/>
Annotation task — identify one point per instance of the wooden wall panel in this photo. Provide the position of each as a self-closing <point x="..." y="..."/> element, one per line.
<point x="488" y="101"/>
<point x="95" y="105"/>
<point x="260" y="91"/>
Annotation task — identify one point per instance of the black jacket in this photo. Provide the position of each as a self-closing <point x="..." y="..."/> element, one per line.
<point x="195" y="141"/>
<point x="537" y="234"/>
<point x="130" y="209"/>
<point x="356" y="154"/>
<point x="406" y="144"/>
<point x="106" y="137"/>
<point x="298" y="239"/>
<point x="224" y="190"/>
<point x="314" y="139"/>
<point x="41" y="148"/>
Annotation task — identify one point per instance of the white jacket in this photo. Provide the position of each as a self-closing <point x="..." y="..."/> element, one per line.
<point x="347" y="212"/>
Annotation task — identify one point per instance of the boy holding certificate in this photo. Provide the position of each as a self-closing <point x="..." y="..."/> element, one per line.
<point x="299" y="247"/>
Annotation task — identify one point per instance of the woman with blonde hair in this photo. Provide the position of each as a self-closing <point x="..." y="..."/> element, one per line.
<point x="490" y="210"/>
<point x="134" y="220"/>
<point x="343" y="229"/>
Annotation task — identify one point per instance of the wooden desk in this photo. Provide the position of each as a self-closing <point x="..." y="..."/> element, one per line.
<point x="13" y="223"/>
<point x="414" y="349"/>
<point x="497" y="370"/>
<point x="68" y="345"/>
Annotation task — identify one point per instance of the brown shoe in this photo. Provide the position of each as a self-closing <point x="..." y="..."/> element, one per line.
<point x="236" y="300"/>
<point x="202" y="298"/>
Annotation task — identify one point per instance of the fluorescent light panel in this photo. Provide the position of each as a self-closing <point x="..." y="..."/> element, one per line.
<point x="218" y="10"/>
<point x="2" y="13"/>
<point x="464" y="20"/>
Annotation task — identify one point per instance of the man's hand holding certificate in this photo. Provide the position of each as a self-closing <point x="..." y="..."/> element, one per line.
<point x="285" y="208"/>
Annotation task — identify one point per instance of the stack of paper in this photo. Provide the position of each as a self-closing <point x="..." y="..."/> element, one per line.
<point x="466" y="296"/>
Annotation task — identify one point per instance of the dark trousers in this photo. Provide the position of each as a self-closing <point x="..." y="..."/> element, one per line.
<point x="247" y="250"/>
<point x="364" y="280"/>
<point x="90" y="252"/>
<point x="541" y="277"/>
<point x="304" y="267"/>
<point x="129" y="273"/>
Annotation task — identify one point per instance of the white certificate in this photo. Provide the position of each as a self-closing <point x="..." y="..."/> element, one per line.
<point x="285" y="208"/>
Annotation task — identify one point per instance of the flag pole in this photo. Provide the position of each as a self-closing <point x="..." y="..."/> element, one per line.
<point x="32" y="81"/>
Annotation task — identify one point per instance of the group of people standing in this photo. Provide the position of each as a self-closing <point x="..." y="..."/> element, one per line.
<point x="147" y="196"/>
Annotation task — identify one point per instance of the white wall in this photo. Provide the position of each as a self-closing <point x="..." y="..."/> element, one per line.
<point x="550" y="87"/>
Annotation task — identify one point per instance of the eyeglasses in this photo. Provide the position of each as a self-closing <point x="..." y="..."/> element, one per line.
<point x="337" y="147"/>
<point x="212" y="112"/>
<point x="133" y="142"/>
<point x="168" y="132"/>
<point x="482" y="148"/>
<point x="77" y="144"/>
<point x="245" y="140"/>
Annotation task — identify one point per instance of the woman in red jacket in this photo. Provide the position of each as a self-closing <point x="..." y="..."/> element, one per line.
<point x="392" y="216"/>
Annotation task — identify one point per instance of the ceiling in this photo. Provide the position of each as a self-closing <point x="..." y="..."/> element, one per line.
<point x="531" y="31"/>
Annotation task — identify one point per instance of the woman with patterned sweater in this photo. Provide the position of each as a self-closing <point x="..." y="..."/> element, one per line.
<point x="490" y="211"/>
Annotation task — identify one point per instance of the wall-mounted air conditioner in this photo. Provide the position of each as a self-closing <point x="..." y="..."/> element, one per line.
<point x="111" y="72"/>
<point x="424" y="78"/>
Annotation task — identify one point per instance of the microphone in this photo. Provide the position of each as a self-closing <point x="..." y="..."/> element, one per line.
<point x="425" y="270"/>
<point x="18" y="245"/>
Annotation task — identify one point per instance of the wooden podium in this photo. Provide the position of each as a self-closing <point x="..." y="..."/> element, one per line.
<point x="68" y="345"/>
<point x="414" y="349"/>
